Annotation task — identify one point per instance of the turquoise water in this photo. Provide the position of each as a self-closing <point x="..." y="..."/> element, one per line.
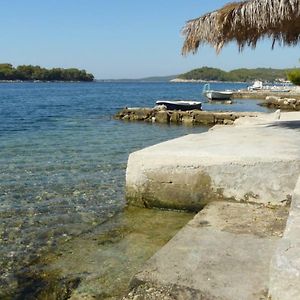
<point x="63" y="159"/>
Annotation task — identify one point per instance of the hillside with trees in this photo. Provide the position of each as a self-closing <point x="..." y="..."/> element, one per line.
<point x="242" y="75"/>
<point x="33" y="73"/>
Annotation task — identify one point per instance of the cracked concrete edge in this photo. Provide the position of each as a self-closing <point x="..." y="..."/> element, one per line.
<point x="285" y="264"/>
<point x="192" y="188"/>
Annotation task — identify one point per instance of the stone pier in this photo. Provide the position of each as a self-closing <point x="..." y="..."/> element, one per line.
<point x="193" y="117"/>
<point x="252" y="162"/>
<point x="263" y="94"/>
<point x="238" y="247"/>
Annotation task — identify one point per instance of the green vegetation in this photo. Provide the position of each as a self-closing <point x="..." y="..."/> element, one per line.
<point x="30" y="73"/>
<point x="243" y="75"/>
<point x="294" y="76"/>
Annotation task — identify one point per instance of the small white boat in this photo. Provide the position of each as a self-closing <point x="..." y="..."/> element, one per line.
<point x="216" y="95"/>
<point x="256" y="86"/>
<point x="180" y="104"/>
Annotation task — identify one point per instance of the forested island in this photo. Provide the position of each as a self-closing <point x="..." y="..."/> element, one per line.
<point x="37" y="73"/>
<point x="241" y="75"/>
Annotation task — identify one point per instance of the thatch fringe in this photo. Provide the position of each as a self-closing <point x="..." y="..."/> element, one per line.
<point x="245" y="22"/>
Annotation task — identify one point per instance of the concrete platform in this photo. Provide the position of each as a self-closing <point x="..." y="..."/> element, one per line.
<point x="257" y="160"/>
<point x="234" y="249"/>
<point x="262" y="94"/>
<point x="285" y="266"/>
<point x="223" y="253"/>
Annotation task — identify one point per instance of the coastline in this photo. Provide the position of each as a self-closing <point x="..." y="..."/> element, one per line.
<point x="54" y="183"/>
<point x="179" y="80"/>
<point x="42" y="81"/>
<point x="130" y="135"/>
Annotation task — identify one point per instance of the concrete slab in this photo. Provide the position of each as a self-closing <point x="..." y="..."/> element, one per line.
<point x="255" y="161"/>
<point x="285" y="266"/>
<point x="223" y="253"/>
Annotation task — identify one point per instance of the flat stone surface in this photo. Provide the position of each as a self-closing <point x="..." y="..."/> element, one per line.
<point x="223" y="253"/>
<point x="265" y="93"/>
<point x="257" y="160"/>
<point x="243" y="218"/>
<point x="285" y="266"/>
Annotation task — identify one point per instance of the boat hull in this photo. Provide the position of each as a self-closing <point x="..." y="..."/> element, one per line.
<point x="180" y="105"/>
<point x="216" y="95"/>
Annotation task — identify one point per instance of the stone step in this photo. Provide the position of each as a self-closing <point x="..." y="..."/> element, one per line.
<point x="285" y="266"/>
<point x="251" y="162"/>
<point x="223" y="253"/>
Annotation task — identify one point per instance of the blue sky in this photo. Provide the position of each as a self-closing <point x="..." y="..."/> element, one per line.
<point x="119" y="38"/>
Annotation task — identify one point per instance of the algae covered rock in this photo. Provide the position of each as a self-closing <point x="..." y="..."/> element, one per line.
<point x="203" y="117"/>
<point x="175" y="117"/>
<point x="162" y="117"/>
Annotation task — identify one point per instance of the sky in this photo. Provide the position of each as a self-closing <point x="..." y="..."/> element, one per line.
<point x="120" y="38"/>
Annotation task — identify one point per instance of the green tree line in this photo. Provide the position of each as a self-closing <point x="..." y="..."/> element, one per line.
<point x="243" y="75"/>
<point x="30" y="73"/>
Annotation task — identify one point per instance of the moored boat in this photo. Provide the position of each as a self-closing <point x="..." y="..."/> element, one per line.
<point x="258" y="86"/>
<point x="180" y="104"/>
<point x="216" y="95"/>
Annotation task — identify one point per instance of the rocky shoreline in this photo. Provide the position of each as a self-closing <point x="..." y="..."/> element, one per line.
<point x="193" y="117"/>
<point x="284" y="103"/>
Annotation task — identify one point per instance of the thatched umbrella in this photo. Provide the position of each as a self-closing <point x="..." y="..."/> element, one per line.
<point x="245" y="22"/>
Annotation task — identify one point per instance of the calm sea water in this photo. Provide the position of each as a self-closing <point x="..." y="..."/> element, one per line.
<point x="63" y="160"/>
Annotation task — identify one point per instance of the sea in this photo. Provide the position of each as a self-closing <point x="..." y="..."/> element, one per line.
<point x="65" y="228"/>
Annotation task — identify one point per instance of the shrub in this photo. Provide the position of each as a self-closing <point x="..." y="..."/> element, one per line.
<point x="294" y="76"/>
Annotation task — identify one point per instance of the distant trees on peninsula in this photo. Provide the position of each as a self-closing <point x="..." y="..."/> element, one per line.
<point x="294" y="76"/>
<point x="32" y="73"/>
<point x="243" y="75"/>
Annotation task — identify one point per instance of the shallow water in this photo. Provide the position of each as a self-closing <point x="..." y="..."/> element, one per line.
<point x="99" y="263"/>
<point x="63" y="160"/>
<point x="104" y="259"/>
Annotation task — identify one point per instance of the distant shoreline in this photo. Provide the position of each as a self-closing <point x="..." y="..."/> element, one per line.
<point x="130" y="81"/>
<point x="30" y="73"/>
<point x="48" y="81"/>
<point x="167" y="81"/>
<point x="179" y="80"/>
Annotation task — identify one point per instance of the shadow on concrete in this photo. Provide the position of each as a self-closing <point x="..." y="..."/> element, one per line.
<point x="295" y="124"/>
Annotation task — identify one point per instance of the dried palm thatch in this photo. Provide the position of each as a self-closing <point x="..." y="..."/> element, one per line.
<point x="245" y="22"/>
